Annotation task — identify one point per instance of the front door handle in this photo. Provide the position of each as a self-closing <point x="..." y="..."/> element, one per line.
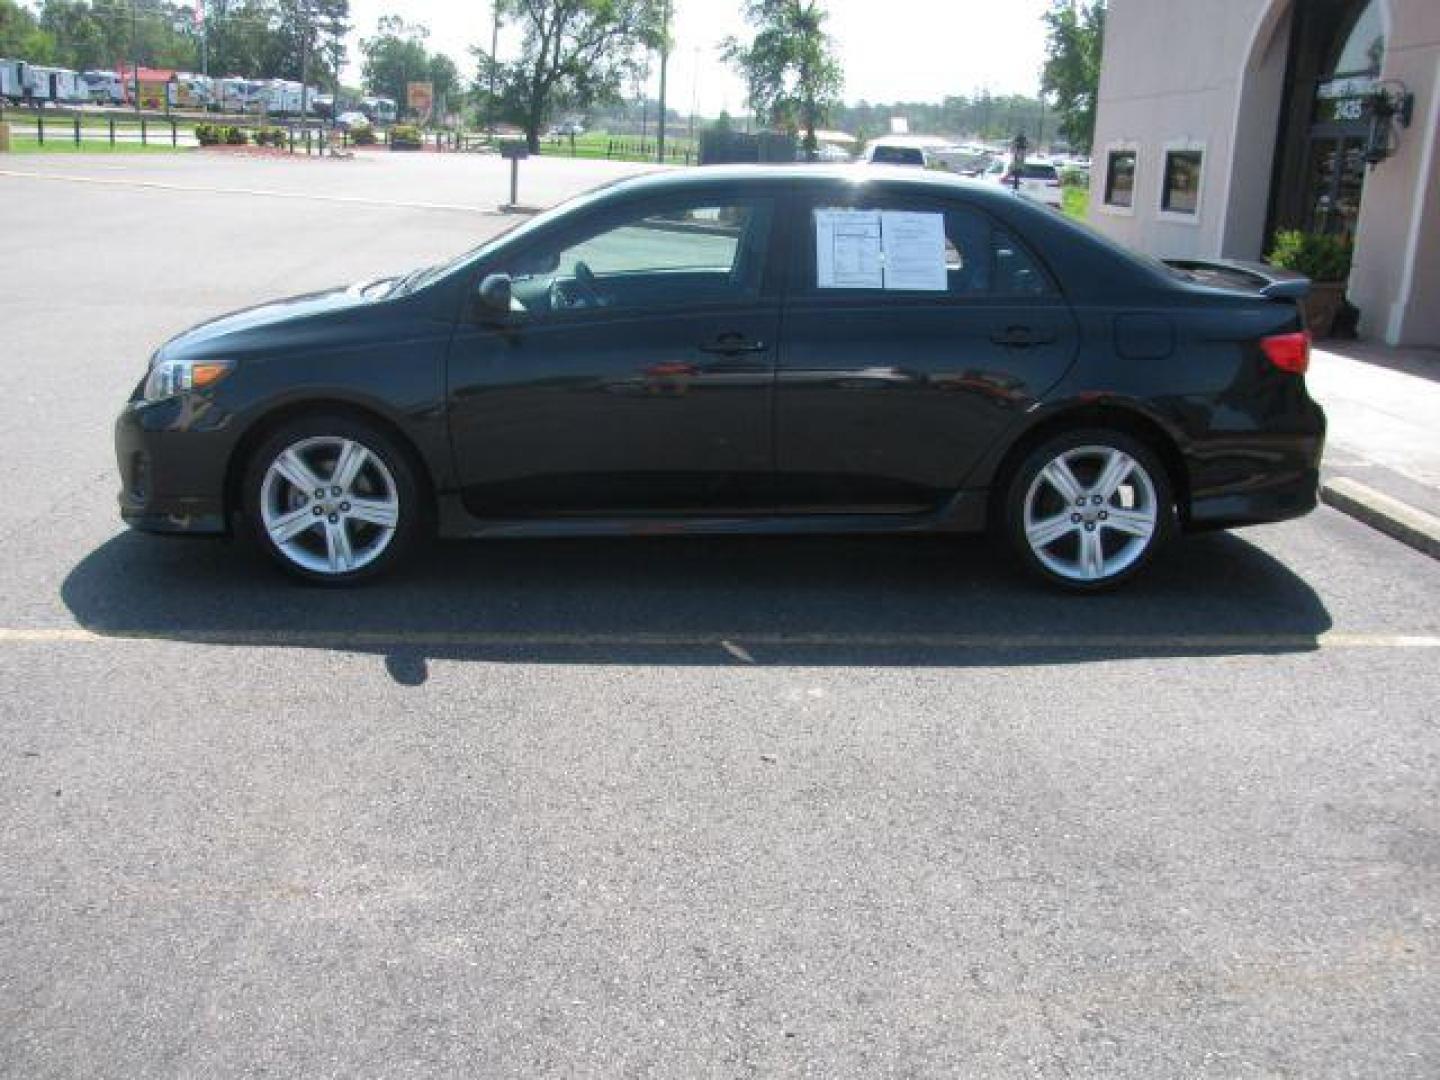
<point x="1021" y="337"/>
<point x="733" y="345"/>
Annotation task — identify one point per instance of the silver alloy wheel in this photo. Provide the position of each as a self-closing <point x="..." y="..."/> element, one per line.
<point x="330" y="504"/>
<point x="1091" y="513"/>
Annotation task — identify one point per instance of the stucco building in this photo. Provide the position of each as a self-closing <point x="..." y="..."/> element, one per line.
<point x="1223" y="121"/>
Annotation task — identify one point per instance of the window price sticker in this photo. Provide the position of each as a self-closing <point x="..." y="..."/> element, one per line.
<point x="875" y="249"/>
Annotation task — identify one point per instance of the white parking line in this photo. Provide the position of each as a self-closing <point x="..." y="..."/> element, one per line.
<point x="158" y="185"/>
<point x="734" y="643"/>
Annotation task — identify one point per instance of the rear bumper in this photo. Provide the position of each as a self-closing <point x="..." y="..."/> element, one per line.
<point x="1278" y="499"/>
<point x="172" y="475"/>
<point x="1250" y="479"/>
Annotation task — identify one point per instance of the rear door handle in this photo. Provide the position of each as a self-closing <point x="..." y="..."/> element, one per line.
<point x="1021" y="337"/>
<point x="733" y="345"/>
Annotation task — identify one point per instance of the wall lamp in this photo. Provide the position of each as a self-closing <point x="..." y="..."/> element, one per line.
<point x="1390" y="104"/>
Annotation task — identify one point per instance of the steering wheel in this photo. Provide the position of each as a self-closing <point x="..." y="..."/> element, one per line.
<point x="588" y="285"/>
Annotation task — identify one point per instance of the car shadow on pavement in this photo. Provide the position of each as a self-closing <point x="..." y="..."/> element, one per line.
<point x="882" y="601"/>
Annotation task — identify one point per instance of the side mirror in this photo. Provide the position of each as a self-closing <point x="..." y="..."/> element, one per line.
<point x="495" y="294"/>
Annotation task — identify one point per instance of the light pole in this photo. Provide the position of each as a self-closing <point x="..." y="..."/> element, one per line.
<point x="664" y="65"/>
<point x="494" y="63"/>
<point x="135" y="50"/>
<point x="305" y="71"/>
<point x="694" y="96"/>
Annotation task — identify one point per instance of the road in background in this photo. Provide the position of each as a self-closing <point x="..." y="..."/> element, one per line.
<point x="728" y="807"/>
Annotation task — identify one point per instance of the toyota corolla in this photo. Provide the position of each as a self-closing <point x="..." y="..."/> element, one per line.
<point x="753" y="349"/>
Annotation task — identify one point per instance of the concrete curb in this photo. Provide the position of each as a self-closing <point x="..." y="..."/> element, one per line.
<point x="1390" y="516"/>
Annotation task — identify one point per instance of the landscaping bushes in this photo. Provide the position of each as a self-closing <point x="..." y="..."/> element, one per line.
<point x="218" y="134"/>
<point x="406" y="137"/>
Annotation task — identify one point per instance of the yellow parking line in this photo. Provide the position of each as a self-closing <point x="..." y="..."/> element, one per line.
<point x="734" y="643"/>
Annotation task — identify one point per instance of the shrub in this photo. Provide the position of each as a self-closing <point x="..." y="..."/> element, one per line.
<point x="406" y="137"/>
<point x="270" y="136"/>
<point x="235" y="136"/>
<point x="1318" y="256"/>
<point x="364" y="136"/>
<point x="1070" y="176"/>
<point x="207" y="134"/>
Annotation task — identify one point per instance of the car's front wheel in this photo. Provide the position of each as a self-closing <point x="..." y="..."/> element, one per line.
<point x="1088" y="509"/>
<point x="331" y="499"/>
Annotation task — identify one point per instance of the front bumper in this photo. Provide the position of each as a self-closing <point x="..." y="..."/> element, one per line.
<point x="172" y="467"/>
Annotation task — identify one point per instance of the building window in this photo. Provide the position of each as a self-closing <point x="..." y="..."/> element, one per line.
<point x="1181" y="191"/>
<point x="1120" y="178"/>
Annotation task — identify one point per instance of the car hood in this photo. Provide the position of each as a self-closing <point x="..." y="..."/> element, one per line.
<point x="242" y="326"/>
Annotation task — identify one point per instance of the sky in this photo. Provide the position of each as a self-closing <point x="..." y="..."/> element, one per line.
<point x="891" y="50"/>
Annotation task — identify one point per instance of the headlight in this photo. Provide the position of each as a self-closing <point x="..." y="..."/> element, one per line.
<point x="172" y="377"/>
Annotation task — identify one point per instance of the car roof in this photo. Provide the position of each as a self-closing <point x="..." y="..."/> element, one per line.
<point x="892" y="178"/>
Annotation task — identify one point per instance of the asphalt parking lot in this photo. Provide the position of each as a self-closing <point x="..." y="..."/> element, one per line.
<point x="781" y="807"/>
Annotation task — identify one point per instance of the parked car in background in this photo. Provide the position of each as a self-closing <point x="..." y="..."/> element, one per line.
<point x="1038" y="180"/>
<point x="886" y="152"/>
<point x="966" y="159"/>
<point x="352" y="121"/>
<point x="943" y="357"/>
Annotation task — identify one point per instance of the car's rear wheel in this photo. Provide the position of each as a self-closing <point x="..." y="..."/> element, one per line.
<point x="1088" y="509"/>
<point x="331" y="499"/>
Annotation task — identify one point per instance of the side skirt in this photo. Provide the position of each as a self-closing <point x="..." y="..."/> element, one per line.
<point x="965" y="513"/>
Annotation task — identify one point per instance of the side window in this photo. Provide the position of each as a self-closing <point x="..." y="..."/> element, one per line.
<point x="664" y="256"/>
<point x="1015" y="271"/>
<point x="918" y="251"/>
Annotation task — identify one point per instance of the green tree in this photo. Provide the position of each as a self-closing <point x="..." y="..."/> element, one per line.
<point x="790" y="70"/>
<point x="290" y="22"/>
<point x="21" y="36"/>
<point x="1075" y="42"/>
<point x="575" y="54"/>
<point x="394" y="57"/>
<point x="445" y="77"/>
<point x="240" y="37"/>
<point x="84" y="40"/>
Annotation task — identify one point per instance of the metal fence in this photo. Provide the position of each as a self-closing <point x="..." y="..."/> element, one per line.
<point x="82" y="127"/>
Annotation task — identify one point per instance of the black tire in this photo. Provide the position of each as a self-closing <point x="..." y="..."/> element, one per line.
<point x="1131" y="553"/>
<point x="390" y="473"/>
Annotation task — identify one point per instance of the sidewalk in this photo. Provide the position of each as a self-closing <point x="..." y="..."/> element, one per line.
<point x="1382" y="459"/>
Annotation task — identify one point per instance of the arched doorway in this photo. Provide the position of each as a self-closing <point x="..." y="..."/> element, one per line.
<point x="1337" y="48"/>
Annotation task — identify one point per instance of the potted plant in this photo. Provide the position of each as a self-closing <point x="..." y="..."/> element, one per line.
<point x="1325" y="260"/>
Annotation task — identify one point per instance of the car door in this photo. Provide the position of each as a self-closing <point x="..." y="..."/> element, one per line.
<point x="636" y="371"/>
<point x="894" y="379"/>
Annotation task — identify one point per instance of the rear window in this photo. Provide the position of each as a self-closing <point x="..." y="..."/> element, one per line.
<point x="1038" y="172"/>
<point x="897" y="155"/>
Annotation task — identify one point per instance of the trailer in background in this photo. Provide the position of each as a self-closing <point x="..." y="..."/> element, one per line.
<point x="60" y="86"/>
<point x="380" y="110"/>
<point x="235" y="94"/>
<point x="106" y="87"/>
<point x="14" y="79"/>
<point x="191" y="91"/>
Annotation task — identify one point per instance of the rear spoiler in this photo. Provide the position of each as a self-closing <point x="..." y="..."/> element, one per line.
<point x="1269" y="281"/>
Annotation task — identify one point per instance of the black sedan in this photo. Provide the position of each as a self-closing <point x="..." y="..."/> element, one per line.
<point x="781" y="350"/>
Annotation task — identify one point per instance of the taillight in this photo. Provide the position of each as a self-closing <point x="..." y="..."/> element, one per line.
<point x="1288" y="352"/>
